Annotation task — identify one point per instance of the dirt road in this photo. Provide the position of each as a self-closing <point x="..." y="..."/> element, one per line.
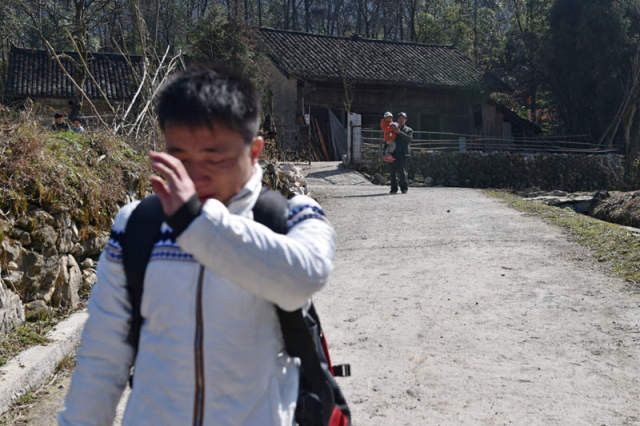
<point x="453" y="308"/>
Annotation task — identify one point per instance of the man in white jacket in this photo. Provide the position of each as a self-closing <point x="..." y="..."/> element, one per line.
<point x="210" y="349"/>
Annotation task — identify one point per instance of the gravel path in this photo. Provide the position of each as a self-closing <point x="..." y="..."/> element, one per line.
<point x="453" y="308"/>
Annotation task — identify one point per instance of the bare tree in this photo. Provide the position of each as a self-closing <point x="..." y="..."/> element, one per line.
<point x="413" y="11"/>
<point x="308" y="27"/>
<point x="285" y="13"/>
<point x="70" y="24"/>
<point x="626" y="114"/>
<point x="153" y="64"/>
<point x="400" y="22"/>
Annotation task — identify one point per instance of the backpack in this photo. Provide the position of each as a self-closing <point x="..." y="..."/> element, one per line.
<point x="320" y="401"/>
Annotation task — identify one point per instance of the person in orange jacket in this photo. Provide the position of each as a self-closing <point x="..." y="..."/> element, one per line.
<point x="387" y="124"/>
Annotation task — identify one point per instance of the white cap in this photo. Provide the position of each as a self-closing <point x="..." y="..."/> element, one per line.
<point x="402" y="114"/>
<point x="387" y="114"/>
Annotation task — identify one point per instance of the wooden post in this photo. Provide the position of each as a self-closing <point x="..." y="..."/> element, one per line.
<point x="355" y="138"/>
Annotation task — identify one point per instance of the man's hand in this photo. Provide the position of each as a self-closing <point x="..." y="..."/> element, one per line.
<point x="176" y="188"/>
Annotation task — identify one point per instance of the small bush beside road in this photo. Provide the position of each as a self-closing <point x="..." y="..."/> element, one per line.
<point x="517" y="171"/>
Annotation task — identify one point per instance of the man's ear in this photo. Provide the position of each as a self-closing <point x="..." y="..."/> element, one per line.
<point x="256" y="148"/>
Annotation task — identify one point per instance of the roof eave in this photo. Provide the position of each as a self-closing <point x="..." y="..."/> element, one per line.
<point x="391" y="83"/>
<point x="280" y="67"/>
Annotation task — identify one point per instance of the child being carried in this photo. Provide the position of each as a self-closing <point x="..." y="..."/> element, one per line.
<point x="387" y="125"/>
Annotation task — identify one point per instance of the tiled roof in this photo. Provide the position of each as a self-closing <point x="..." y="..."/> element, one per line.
<point x="33" y="73"/>
<point x="319" y="57"/>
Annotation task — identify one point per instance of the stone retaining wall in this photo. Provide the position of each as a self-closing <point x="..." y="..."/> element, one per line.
<point x="618" y="207"/>
<point x="45" y="262"/>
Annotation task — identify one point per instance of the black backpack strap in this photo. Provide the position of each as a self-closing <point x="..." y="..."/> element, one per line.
<point x="302" y="334"/>
<point x="143" y="228"/>
<point x="271" y="210"/>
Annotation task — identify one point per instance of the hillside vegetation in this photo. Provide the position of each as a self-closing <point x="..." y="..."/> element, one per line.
<point x="87" y="175"/>
<point x="58" y="194"/>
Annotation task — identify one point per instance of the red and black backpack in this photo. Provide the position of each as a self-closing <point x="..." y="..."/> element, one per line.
<point x="320" y="401"/>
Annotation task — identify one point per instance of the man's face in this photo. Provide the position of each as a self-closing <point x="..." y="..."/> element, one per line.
<point x="219" y="162"/>
<point x="59" y="120"/>
<point x="401" y="120"/>
<point x="76" y="124"/>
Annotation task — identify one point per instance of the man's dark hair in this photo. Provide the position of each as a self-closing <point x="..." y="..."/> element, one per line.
<point x="208" y="97"/>
<point x="58" y="115"/>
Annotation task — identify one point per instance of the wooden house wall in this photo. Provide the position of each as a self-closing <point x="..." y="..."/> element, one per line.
<point x="427" y="109"/>
<point x="436" y="110"/>
<point x="283" y="102"/>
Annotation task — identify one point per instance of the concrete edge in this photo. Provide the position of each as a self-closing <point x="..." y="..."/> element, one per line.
<point x="32" y="368"/>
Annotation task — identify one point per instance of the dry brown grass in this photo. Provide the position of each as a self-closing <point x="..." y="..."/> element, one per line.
<point x="88" y="175"/>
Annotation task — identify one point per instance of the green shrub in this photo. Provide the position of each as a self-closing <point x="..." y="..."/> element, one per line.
<point x="569" y="172"/>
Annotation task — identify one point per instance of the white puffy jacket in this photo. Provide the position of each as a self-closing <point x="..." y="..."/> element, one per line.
<point x="247" y="378"/>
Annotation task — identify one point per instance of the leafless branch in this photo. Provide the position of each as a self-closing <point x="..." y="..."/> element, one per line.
<point x="86" y="70"/>
<point x="73" y="81"/>
<point x="632" y="93"/>
<point x="161" y="63"/>
<point x="127" y="58"/>
<point x="135" y="97"/>
<point x="169" y="69"/>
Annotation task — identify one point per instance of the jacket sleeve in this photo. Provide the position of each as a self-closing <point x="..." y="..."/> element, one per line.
<point x="104" y="356"/>
<point x="407" y="133"/>
<point x="283" y="269"/>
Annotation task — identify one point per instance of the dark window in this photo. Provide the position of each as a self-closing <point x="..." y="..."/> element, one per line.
<point x="429" y="122"/>
<point x="477" y="116"/>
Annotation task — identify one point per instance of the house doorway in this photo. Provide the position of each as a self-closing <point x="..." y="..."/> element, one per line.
<point x="329" y="132"/>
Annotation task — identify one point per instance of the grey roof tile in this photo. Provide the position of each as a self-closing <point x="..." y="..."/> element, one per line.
<point x="33" y="73"/>
<point x="319" y="57"/>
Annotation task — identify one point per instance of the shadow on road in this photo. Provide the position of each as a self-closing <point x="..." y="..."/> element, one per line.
<point x="326" y="173"/>
<point x="367" y="195"/>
